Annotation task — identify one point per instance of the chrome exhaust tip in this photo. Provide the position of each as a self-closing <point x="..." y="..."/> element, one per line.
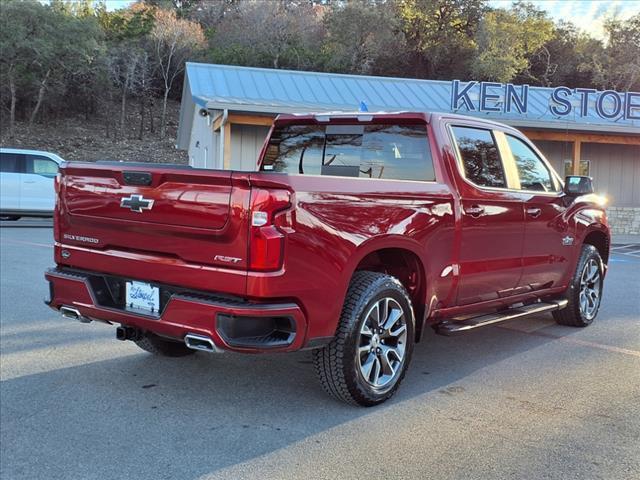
<point x="73" y="314"/>
<point x="200" y="342"/>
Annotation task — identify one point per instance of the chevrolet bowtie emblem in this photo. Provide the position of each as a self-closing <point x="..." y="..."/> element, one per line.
<point x="136" y="203"/>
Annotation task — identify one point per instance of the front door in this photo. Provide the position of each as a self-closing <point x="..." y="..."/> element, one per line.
<point x="492" y="220"/>
<point x="547" y="241"/>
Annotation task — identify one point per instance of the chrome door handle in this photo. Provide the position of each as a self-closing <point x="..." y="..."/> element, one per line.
<point x="534" y="212"/>
<point x="474" y="210"/>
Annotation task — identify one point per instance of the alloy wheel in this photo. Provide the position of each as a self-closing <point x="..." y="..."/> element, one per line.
<point x="590" y="288"/>
<point x="382" y="346"/>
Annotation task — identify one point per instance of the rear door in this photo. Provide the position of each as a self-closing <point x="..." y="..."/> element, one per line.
<point x="547" y="244"/>
<point x="37" y="193"/>
<point x="492" y="220"/>
<point x="11" y="166"/>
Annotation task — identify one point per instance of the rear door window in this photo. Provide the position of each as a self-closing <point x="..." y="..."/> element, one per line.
<point x="11" y="162"/>
<point x="480" y="157"/>
<point x="41" y="166"/>
<point x="395" y="152"/>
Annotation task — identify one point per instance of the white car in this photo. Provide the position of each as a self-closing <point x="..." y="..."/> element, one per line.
<point x="26" y="183"/>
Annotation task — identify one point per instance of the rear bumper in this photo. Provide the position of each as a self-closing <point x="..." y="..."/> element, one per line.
<point x="232" y="324"/>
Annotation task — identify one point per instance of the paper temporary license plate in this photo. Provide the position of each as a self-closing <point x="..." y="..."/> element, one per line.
<point x="142" y="296"/>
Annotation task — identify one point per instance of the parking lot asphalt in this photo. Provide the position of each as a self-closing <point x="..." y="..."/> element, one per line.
<point x="524" y="400"/>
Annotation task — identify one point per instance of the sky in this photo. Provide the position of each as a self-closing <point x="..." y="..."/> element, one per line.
<point x="588" y="15"/>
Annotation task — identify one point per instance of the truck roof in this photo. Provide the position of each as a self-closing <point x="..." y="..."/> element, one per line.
<point x="426" y="117"/>
<point x="361" y="116"/>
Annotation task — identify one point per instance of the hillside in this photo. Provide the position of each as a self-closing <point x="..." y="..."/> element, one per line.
<point x="78" y="138"/>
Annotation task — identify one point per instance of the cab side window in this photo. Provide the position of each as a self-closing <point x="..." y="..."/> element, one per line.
<point x="534" y="174"/>
<point x="480" y="157"/>
<point x="41" y="166"/>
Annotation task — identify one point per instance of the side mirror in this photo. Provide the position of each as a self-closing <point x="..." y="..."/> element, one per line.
<point x="575" y="185"/>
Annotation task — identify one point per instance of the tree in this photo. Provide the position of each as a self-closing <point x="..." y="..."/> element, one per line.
<point x="130" y="55"/>
<point x="123" y="67"/>
<point x="37" y="56"/>
<point x="363" y="37"/>
<point x="276" y="34"/>
<point x="619" y="67"/>
<point x="440" y="35"/>
<point x="507" y="39"/>
<point x="174" y="41"/>
<point x="132" y="23"/>
<point x="210" y="14"/>
<point x="565" y="59"/>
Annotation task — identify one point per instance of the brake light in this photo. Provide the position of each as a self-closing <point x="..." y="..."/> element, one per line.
<point x="266" y="240"/>
<point x="56" y="209"/>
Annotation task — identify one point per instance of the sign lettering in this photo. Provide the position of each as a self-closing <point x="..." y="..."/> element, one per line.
<point x="496" y="97"/>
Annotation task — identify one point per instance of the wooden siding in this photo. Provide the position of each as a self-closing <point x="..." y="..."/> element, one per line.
<point x="556" y="153"/>
<point x="614" y="168"/>
<point x="616" y="172"/>
<point x="246" y="142"/>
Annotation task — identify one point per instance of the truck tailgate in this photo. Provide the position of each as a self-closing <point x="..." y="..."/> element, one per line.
<point x="197" y="216"/>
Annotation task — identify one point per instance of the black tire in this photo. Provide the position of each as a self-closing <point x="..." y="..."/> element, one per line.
<point x="162" y="346"/>
<point x="574" y="315"/>
<point x="339" y="364"/>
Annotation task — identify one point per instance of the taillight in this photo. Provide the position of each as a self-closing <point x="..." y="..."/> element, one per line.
<point x="266" y="240"/>
<point x="56" y="209"/>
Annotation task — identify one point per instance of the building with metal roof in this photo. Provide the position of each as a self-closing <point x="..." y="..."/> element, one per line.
<point x="226" y="111"/>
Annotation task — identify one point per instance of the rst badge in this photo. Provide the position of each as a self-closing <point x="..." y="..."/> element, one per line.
<point x="224" y="258"/>
<point x="136" y="203"/>
<point x="567" y="241"/>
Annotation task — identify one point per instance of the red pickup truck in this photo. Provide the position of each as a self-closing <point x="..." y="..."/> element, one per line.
<point x="357" y="232"/>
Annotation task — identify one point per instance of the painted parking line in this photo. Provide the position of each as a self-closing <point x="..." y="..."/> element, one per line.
<point x="626" y="245"/>
<point x="33" y="244"/>
<point x="630" y="250"/>
<point x="576" y="341"/>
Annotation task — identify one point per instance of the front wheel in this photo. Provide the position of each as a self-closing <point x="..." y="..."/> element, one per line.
<point x="368" y="357"/>
<point x="585" y="292"/>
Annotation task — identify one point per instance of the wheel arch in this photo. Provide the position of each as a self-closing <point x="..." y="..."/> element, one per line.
<point x="402" y="261"/>
<point x="600" y="240"/>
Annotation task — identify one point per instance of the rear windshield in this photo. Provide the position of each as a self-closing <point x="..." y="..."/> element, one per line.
<point x="398" y="152"/>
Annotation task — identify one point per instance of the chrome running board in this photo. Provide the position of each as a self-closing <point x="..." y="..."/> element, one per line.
<point x="453" y="326"/>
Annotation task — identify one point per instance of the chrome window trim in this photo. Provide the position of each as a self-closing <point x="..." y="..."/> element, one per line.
<point x="460" y="166"/>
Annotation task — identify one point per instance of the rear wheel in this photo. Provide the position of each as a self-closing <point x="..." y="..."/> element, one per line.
<point x="585" y="292"/>
<point x="161" y="346"/>
<point x="368" y="357"/>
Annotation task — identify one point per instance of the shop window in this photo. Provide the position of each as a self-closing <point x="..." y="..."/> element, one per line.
<point x="585" y="168"/>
